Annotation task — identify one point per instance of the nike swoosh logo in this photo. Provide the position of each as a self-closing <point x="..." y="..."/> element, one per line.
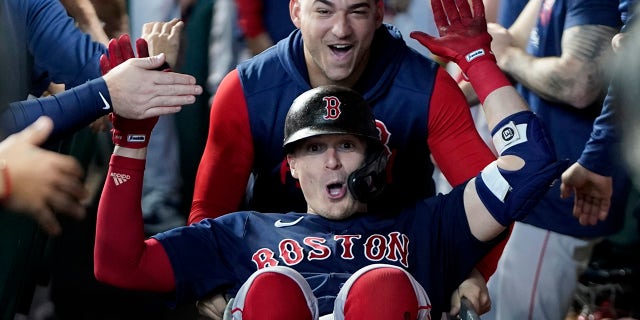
<point x="280" y="224"/>
<point x="106" y="104"/>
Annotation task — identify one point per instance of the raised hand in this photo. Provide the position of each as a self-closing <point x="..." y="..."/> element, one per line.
<point x="463" y="34"/>
<point x="164" y="37"/>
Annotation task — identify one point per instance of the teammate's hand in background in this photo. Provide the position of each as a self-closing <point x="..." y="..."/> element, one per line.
<point x="592" y="193"/>
<point x="38" y="182"/>
<point x="475" y="290"/>
<point x="213" y="307"/>
<point x="163" y="37"/>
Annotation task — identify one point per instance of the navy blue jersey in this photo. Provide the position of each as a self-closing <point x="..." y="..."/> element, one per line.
<point x="431" y="240"/>
<point x="508" y="11"/>
<point x="569" y="127"/>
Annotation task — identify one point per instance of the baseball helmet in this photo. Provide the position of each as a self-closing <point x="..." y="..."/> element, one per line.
<point x="340" y="110"/>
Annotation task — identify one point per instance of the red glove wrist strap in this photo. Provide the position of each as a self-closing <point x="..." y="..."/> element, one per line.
<point x="486" y="77"/>
<point x="132" y="133"/>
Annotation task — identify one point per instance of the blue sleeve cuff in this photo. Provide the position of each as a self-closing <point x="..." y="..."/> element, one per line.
<point x="70" y="110"/>
<point x="597" y="160"/>
<point x="600" y="150"/>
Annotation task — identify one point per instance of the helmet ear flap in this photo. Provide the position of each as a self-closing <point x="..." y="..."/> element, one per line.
<point x="368" y="181"/>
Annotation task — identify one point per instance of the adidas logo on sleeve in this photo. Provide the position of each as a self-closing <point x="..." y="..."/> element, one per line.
<point x="120" y="178"/>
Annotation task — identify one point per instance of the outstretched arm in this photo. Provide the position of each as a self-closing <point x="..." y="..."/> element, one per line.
<point x="590" y="177"/>
<point x="133" y="89"/>
<point x="124" y="258"/>
<point x="508" y="187"/>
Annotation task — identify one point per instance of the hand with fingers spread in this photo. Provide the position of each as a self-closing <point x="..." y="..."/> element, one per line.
<point x="164" y="37"/>
<point x="592" y="193"/>
<point x="38" y="182"/>
<point x="464" y="40"/>
<point x="463" y="33"/>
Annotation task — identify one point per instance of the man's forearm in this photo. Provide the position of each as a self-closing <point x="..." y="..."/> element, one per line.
<point x="576" y="78"/>
<point x="70" y="110"/>
<point x="526" y="21"/>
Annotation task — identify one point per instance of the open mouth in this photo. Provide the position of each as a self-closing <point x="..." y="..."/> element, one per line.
<point x="336" y="190"/>
<point x="340" y="49"/>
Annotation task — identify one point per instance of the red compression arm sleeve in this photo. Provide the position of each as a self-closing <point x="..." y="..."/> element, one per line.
<point x="457" y="147"/>
<point x="122" y="256"/>
<point x="453" y="139"/>
<point x="227" y="160"/>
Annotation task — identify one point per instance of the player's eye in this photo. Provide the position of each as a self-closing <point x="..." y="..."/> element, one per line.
<point x="313" y="148"/>
<point x="347" y="145"/>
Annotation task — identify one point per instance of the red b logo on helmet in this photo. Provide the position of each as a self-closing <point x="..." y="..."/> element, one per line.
<point x="333" y="108"/>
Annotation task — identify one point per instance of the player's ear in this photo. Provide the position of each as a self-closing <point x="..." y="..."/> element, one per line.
<point x="379" y="9"/>
<point x="294" y="12"/>
<point x="292" y="165"/>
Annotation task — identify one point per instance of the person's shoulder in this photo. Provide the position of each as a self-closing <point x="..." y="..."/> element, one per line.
<point x="265" y="57"/>
<point x="265" y="64"/>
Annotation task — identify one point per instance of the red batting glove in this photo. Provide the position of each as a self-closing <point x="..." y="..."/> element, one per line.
<point x="119" y="51"/>
<point x="463" y="37"/>
<point x="464" y="40"/>
<point x="127" y="132"/>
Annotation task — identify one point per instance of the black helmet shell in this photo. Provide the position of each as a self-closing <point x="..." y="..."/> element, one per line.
<point x="329" y="110"/>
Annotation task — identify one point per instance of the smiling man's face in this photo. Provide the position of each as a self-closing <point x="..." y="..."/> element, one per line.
<point x="337" y="37"/>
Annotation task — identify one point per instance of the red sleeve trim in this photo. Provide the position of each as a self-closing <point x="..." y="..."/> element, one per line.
<point x="227" y="159"/>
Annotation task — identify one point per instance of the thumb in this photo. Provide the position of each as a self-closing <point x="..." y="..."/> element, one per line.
<point x="565" y="190"/>
<point x="455" y="308"/>
<point x="38" y="132"/>
<point x="431" y="43"/>
<point x="150" y="63"/>
<point x="105" y="65"/>
<point x="422" y="37"/>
